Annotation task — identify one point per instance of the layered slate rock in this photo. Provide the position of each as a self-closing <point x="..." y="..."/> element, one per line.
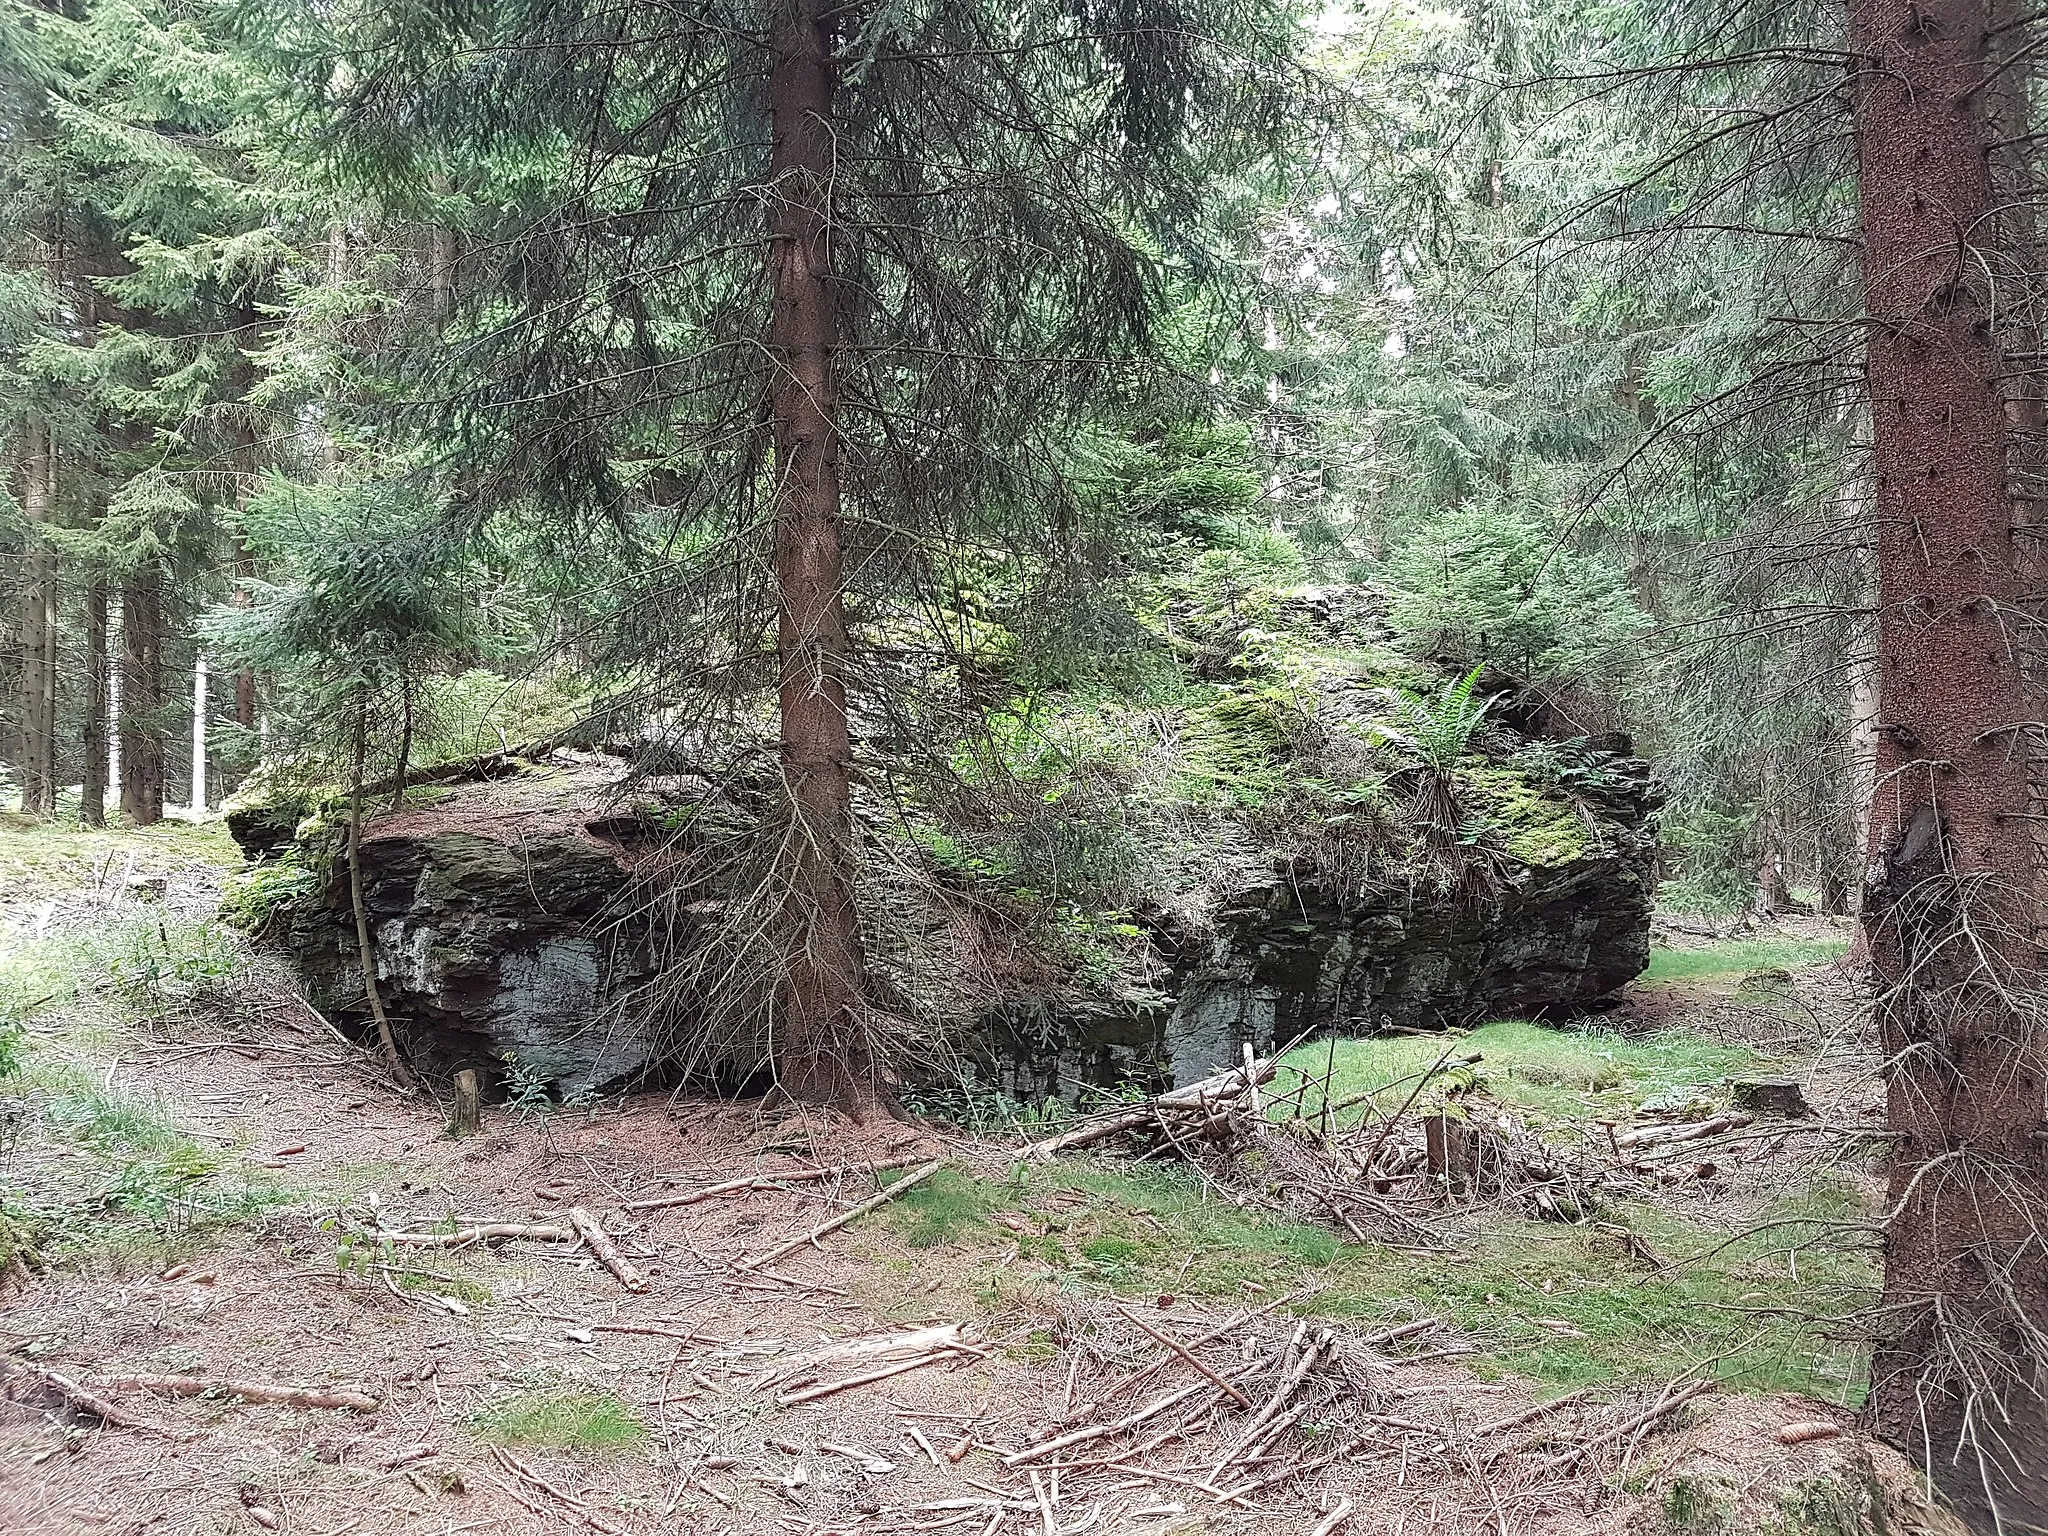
<point x="1547" y="934"/>
<point x="503" y="918"/>
<point x="508" y="920"/>
<point x="1549" y="923"/>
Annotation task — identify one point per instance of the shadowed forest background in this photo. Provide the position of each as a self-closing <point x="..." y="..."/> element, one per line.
<point x="1426" y="616"/>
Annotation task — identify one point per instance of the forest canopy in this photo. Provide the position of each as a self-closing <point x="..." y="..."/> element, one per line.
<point x="1018" y="468"/>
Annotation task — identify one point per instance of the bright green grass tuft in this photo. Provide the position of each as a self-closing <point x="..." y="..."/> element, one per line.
<point x="1560" y="1072"/>
<point x="946" y="1207"/>
<point x="1733" y="957"/>
<point x="1563" y="1305"/>
<point x="572" y="1421"/>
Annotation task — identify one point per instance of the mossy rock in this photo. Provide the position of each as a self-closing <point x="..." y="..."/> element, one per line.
<point x="1731" y="1477"/>
<point x="1536" y="828"/>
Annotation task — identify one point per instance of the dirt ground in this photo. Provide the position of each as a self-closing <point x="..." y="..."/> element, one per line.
<point x="449" y="1345"/>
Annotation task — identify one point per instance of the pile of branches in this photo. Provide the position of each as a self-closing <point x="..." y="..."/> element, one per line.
<point x="1447" y="1146"/>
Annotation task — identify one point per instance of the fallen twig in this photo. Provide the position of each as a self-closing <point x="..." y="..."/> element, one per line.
<point x="480" y="1232"/>
<point x="764" y="1181"/>
<point x="1290" y="1382"/>
<point x="881" y="1197"/>
<point x="1663" y="1135"/>
<point x="1533" y="1412"/>
<point x="1673" y="1396"/>
<point x="1335" y="1520"/>
<point x="1185" y="1353"/>
<point x="248" y="1391"/>
<point x="1089" y="1432"/>
<point x="827" y="1388"/>
<point x="1223" y="1088"/>
<point x="85" y="1400"/>
<point x="880" y="1346"/>
<point x="599" y="1242"/>
<point x="533" y="1479"/>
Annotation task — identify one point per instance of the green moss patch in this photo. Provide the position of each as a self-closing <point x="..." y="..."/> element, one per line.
<point x="1537" y="828"/>
<point x="1736" y="957"/>
<point x="570" y="1421"/>
<point x="1564" y="1073"/>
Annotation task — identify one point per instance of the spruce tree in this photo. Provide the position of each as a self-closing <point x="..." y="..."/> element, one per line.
<point x="798" y="298"/>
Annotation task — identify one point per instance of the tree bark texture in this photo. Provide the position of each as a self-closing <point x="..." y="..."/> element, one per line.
<point x="92" y="794"/>
<point x="366" y="947"/>
<point x="1949" y="900"/>
<point x="247" y="466"/>
<point x="37" y="626"/>
<point x="142" y="699"/>
<point x="820" y="1050"/>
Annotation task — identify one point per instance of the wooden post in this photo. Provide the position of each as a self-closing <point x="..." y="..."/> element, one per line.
<point x="468" y="1116"/>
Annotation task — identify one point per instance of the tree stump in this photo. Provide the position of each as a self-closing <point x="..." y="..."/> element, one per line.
<point x="1771" y="1096"/>
<point x="468" y="1116"/>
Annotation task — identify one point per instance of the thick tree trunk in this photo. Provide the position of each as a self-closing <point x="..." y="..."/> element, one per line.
<point x="92" y="794"/>
<point x="1949" y="904"/>
<point x="821" y="1050"/>
<point x="142" y="698"/>
<point x="38" y="629"/>
<point x="366" y="948"/>
<point x="200" y="700"/>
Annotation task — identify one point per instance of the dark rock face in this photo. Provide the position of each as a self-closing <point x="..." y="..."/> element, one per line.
<point x="1545" y="937"/>
<point x="503" y="916"/>
<point x="502" y="920"/>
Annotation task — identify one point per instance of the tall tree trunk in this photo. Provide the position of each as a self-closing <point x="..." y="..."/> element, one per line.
<point x="246" y="469"/>
<point x="199" y="704"/>
<point x="821" y="1052"/>
<point x="92" y="794"/>
<point x="366" y="949"/>
<point x="142" y="698"/>
<point x="38" y="628"/>
<point x="113" y="733"/>
<point x="1948" y="908"/>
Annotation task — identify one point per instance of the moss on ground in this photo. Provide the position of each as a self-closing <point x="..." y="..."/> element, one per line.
<point x="1736" y="957"/>
<point x="581" y="1420"/>
<point x="1564" y="1073"/>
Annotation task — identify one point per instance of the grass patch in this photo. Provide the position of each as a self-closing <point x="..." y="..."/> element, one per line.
<point x="1563" y="1305"/>
<point x="1734" y="957"/>
<point x="570" y="1421"/>
<point x="1564" y="1073"/>
<point x="947" y="1207"/>
<point x="134" y="1191"/>
<point x="1567" y="1305"/>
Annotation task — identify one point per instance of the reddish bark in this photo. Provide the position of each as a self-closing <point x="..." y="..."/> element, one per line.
<point x="92" y="794"/>
<point x="142" y="698"/>
<point x="820" y="1050"/>
<point x="1956" y="1373"/>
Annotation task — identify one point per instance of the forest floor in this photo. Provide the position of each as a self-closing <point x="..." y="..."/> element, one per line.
<point x="198" y="1172"/>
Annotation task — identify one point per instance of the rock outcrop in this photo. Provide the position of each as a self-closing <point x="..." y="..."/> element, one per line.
<point x="502" y="911"/>
<point x="508" y="916"/>
<point x="1546" y="926"/>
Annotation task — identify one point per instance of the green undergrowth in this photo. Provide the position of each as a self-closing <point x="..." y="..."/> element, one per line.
<point x="97" y="1173"/>
<point x="1562" y="1073"/>
<point x="1735" y="957"/>
<point x="564" y="1420"/>
<point x="125" y="1189"/>
<point x="1563" y="1305"/>
<point x="49" y="858"/>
